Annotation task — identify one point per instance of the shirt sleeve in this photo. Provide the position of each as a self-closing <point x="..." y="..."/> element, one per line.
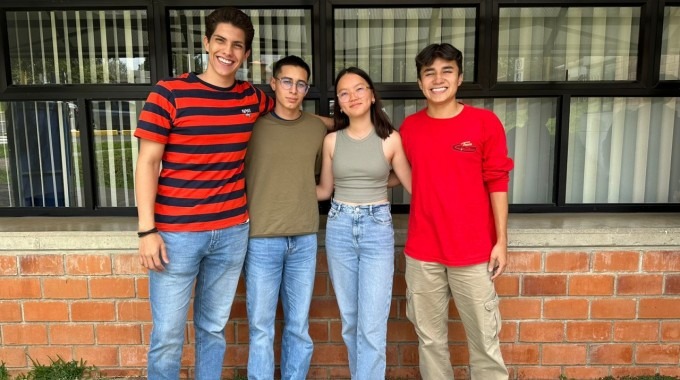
<point x="266" y="102"/>
<point x="156" y="118"/>
<point x="496" y="164"/>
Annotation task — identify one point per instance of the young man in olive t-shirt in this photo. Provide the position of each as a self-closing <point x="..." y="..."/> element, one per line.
<point x="281" y="167"/>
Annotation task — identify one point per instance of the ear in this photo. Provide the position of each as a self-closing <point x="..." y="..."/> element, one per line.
<point x="420" y="84"/>
<point x="272" y="83"/>
<point x="206" y="42"/>
<point x="460" y="80"/>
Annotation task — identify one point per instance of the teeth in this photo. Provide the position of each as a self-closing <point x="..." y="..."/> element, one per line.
<point x="225" y="61"/>
<point x="439" y="89"/>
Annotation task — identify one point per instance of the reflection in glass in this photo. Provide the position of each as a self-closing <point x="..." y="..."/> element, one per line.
<point x="278" y="33"/>
<point x="40" y="160"/>
<point x="385" y="41"/>
<point x="568" y="44"/>
<point x="67" y="47"/>
<point x="670" y="46"/>
<point x="624" y="150"/>
<point x="115" y="151"/>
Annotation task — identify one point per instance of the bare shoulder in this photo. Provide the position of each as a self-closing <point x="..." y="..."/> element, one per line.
<point x="393" y="138"/>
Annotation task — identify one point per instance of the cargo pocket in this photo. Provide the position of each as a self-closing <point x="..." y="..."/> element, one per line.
<point x="492" y="322"/>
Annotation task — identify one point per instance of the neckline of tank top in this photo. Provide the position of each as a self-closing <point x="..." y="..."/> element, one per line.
<point x="346" y="133"/>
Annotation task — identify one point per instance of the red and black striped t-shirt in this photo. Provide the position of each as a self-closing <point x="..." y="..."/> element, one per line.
<point x="205" y="130"/>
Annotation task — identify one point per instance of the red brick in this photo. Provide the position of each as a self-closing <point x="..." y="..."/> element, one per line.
<point x="617" y="261"/>
<point x="41" y="264"/>
<point x="611" y="354"/>
<point x="324" y="308"/>
<point x="408" y="354"/>
<point x="541" y="332"/>
<point x="322" y="283"/>
<point x="142" y="287"/>
<point x="672" y="284"/>
<point x="591" y="285"/>
<point x="670" y="371"/>
<point x="134" y="311"/>
<point x="89" y="265"/>
<point x="112" y="287"/>
<point x="659" y="308"/>
<point x="8" y="265"/>
<point x="639" y="284"/>
<point x="318" y="331"/>
<point x="523" y="262"/>
<point x="14" y="288"/>
<point x="45" y="311"/>
<point x="613" y="308"/>
<point x="119" y="334"/>
<point x="24" y="334"/>
<point x="458" y="354"/>
<point x="633" y="331"/>
<point x="401" y="331"/>
<point x="402" y="373"/>
<point x="567" y="262"/>
<point x="508" y="332"/>
<point x="72" y="334"/>
<point x="97" y="355"/>
<point x="670" y="331"/>
<point x="661" y="261"/>
<point x="588" y="331"/>
<point x="70" y="288"/>
<point x="330" y="354"/>
<point x="507" y="285"/>
<point x="46" y="354"/>
<point x="563" y="354"/>
<point x="657" y="353"/>
<point x="584" y="373"/>
<point x="542" y="285"/>
<point x="92" y="311"/>
<point x="520" y="353"/>
<point x="538" y="372"/>
<point x="10" y="312"/>
<point x="520" y="308"/>
<point x="13" y="356"/>
<point x="456" y="332"/>
<point x="633" y="371"/>
<point x="565" y="308"/>
<point x="133" y="356"/>
<point x="127" y="264"/>
<point x="239" y="311"/>
<point x="335" y="334"/>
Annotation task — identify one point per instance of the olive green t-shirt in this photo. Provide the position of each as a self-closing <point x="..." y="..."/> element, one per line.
<point x="282" y="161"/>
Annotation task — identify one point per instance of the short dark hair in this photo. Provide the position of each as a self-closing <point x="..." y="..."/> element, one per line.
<point x="291" y="60"/>
<point x="383" y="126"/>
<point x="233" y="16"/>
<point x="445" y="51"/>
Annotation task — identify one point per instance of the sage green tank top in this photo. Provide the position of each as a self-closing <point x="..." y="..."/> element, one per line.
<point x="360" y="169"/>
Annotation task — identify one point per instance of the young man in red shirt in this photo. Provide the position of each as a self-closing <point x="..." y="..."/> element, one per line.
<point x="457" y="233"/>
<point x="193" y="221"/>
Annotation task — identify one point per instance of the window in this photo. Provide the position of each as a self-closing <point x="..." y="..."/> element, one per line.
<point x="670" y="50"/>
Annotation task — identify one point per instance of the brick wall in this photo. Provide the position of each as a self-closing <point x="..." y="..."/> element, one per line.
<point x="583" y="313"/>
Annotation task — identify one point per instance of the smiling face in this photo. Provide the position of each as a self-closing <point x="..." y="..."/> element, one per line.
<point x="226" y="53"/>
<point x="354" y="95"/>
<point x="439" y="81"/>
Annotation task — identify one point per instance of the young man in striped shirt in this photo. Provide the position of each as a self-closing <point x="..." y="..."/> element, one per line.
<point x="193" y="221"/>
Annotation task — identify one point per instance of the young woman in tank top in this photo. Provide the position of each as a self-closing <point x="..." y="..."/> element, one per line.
<point x="357" y="160"/>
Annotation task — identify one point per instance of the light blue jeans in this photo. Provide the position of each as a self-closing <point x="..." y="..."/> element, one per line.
<point x="213" y="260"/>
<point x="360" y="251"/>
<point x="280" y="266"/>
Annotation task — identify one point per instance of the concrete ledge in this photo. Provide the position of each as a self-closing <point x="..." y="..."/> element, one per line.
<point x="524" y="231"/>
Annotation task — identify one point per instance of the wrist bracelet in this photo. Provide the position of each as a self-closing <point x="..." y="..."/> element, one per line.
<point x="149" y="232"/>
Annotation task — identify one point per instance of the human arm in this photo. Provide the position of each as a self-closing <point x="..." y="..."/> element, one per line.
<point x="327" y="121"/>
<point x="152" y="253"/>
<point x="499" y="252"/>
<point x="400" y="165"/>
<point x="393" y="180"/>
<point x="325" y="187"/>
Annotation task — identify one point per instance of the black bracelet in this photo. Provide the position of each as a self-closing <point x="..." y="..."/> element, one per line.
<point x="149" y="232"/>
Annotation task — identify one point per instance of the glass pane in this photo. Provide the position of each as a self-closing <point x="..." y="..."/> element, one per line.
<point x="670" y="46"/>
<point x="568" y="44"/>
<point x="385" y="41"/>
<point x="278" y="33"/>
<point x="40" y="160"/>
<point x="624" y="150"/>
<point x="65" y="47"/>
<point x="115" y="151"/>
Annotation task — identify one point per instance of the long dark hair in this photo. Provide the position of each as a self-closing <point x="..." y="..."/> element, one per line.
<point x="383" y="126"/>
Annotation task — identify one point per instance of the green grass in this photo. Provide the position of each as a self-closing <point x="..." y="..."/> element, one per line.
<point x="60" y="369"/>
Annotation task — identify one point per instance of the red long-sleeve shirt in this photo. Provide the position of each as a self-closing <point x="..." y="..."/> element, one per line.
<point x="456" y="163"/>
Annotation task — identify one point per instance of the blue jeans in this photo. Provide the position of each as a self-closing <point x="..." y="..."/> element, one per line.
<point x="284" y="266"/>
<point x="213" y="260"/>
<point x="360" y="251"/>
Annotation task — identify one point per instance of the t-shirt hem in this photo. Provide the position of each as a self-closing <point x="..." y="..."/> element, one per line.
<point x="446" y="262"/>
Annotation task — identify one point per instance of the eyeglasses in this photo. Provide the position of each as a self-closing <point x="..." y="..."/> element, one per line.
<point x="359" y="92"/>
<point x="287" y="83"/>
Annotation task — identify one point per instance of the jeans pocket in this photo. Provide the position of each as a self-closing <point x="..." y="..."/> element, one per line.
<point x="492" y="320"/>
<point x="383" y="217"/>
<point x="332" y="213"/>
